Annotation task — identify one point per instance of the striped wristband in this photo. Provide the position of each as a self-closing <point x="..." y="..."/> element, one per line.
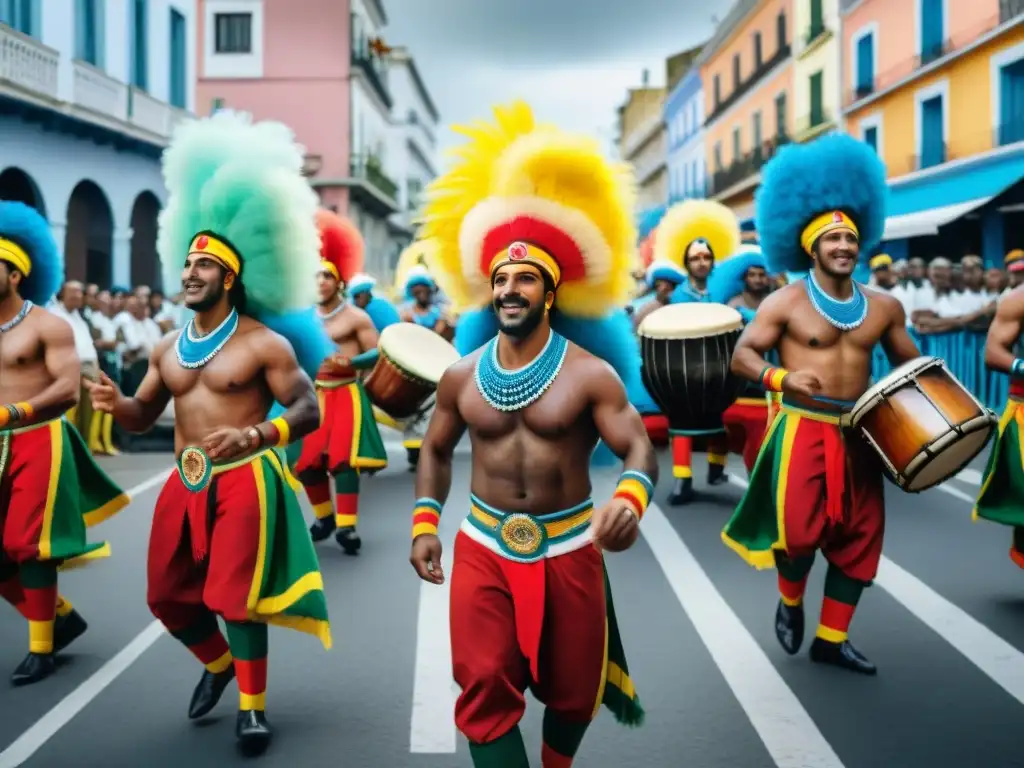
<point x="426" y="515"/>
<point x="771" y="378"/>
<point x="636" y="488"/>
<point x="284" y="432"/>
<point x="1017" y="368"/>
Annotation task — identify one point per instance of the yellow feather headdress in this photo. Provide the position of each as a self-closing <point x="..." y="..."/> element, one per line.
<point x="696" y="220"/>
<point x="519" y="190"/>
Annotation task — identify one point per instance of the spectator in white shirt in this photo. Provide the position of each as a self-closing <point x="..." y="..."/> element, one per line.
<point x="995" y="283"/>
<point x="69" y="307"/>
<point x="937" y="309"/>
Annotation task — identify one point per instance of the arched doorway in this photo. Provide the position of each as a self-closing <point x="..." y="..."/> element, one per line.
<point x="88" y="247"/>
<point x="15" y="184"/>
<point x="145" y="261"/>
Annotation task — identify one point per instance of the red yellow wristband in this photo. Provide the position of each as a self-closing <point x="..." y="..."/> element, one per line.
<point x="426" y="516"/>
<point x="636" y="488"/>
<point x="283" y="431"/>
<point x="771" y="378"/>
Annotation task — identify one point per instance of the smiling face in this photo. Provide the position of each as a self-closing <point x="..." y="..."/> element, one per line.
<point x="520" y="295"/>
<point x="204" y="282"/>
<point x="327" y="286"/>
<point x="836" y="252"/>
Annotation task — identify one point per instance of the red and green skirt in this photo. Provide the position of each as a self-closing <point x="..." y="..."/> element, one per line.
<point x="348" y="436"/>
<point x="813" y="487"/>
<point x="1001" y="499"/>
<point x="51" y="491"/>
<point x="238" y="546"/>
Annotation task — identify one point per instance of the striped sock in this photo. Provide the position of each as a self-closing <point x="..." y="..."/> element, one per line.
<point x="346" y="488"/>
<point x="319" y="495"/>
<point x="249" y="644"/>
<point x="39" y="583"/>
<point x="793" y="573"/>
<point x="841" y="596"/>
<point x="205" y="641"/>
<point x="682" y="456"/>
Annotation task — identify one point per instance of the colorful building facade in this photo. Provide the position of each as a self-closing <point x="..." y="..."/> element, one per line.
<point x="747" y="73"/>
<point x="937" y="87"/>
<point x="816" y="63"/>
<point x="684" y="122"/>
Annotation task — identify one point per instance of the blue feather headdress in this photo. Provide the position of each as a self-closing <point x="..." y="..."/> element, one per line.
<point x="360" y="283"/>
<point x="382" y="312"/>
<point x="418" y="275"/>
<point x="833" y="173"/>
<point x="665" y="270"/>
<point x="727" y="279"/>
<point x="25" y="228"/>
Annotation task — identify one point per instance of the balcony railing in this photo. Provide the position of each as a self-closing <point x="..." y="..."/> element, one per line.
<point x="372" y="67"/>
<point x="748" y="85"/>
<point x="27" y="63"/>
<point x="813" y="121"/>
<point x="148" y="113"/>
<point x="813" y="32"/>
<point x="747" y="165"/>
<point x="94" y="89"/>
<point x="368" y="167"/>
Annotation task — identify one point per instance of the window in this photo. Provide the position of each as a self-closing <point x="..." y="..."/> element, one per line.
<point x="817" y="20"/>
<point x="865" y="53"/>
<point x="780" y="115"/>
<point x="89" y="31"/>
<point x="871" y="137"/>
<point x="817" y="108"/>
<point x="1011" y="103"/>
<point x="140" y="59"/>
<point x="735" y="71"/>
<point x="757" y="137"/>
<point x="233" y="32"/>
<point x="718" y="90"/>
<point x="736" y="144"/>
<point x="932" y="29"/>
<point x="414" y="190"/>
<point x="20" y="15"/>
<point x="933" y="140"/>
<point x="718" y="155"/>
<point x="780" y="30"/>
<point x="758" y="53"/>
<point x="179" y="62"/>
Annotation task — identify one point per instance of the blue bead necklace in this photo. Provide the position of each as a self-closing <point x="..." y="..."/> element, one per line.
<point x="507" y="390"/>
<point x="844" y="315"/>
<point x="26" y="307"/>
<point x="196" y="351"/>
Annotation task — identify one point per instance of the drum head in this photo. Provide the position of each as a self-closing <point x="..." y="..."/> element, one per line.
<point x="690" y="321"/>
<point x="950" y="461"/>
<point x="909" y="368"/>
<point x="418" y="350"/>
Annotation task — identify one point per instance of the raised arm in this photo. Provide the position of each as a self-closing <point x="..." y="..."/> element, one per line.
<point x="290" y="386"/>
<point x="619" y="424"/>
<point x="1004" y="332"/>
<point x="761" y="335"/>
<point x="64" y="368"/>
<point x="896" y="341"/>
<point x="140" y="412"/>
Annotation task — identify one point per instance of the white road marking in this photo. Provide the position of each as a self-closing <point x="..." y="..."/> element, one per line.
<point x="65" y="710"/>
<point x="956" y="493"/>
<point x="786" y="729"/>
<point x="969" y="476"/>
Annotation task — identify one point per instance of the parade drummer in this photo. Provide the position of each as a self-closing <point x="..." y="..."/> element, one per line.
<point x="228" y="536"/>
<point x="1001" y="499"/>
<point x="51" y="489"/>
<point x="530" y="606"/>
<point x="347" y="441"/>
<point x="694" y="235"/>
<point x="820" y="206"/>
<point x="662" y="277"/>
<point x="381" y="311"/>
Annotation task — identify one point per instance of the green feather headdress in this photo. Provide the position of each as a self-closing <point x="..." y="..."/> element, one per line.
<point x="242" y="181"/>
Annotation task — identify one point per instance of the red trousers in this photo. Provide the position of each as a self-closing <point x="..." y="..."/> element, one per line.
<point x="746" y="421"/>
<point x="525" y="625"/>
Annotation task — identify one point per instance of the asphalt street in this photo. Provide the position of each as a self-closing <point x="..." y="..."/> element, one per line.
<point x="944" y="623"/>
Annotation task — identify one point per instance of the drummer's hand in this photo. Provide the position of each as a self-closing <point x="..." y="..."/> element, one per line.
<point x="615" y="526"/>
<point x="103" y="393"/>
<point x="426" y="558"/>
<point x="226" y="443"/>
<point x="802" y="383"/>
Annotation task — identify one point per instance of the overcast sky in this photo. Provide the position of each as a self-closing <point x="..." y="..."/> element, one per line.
<point x="572" y="60"/>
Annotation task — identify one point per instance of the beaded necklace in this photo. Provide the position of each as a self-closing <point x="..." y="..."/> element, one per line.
<point x="195" y="351"/>
<point x="842" y="314"/>
<point x="26" y="307"/>
<point x="507" y="390"/>
<point x="324" y="317"/>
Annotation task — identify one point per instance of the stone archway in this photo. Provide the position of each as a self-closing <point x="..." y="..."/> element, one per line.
<point x="89" y="243"/>
<point x="15" y="184"/>
<point x="145" y="261"/>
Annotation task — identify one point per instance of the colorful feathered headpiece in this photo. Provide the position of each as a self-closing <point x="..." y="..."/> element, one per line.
<point x="236" y="194"/>
<point x="27" y="244"/>
<point x="360" y="283"/>
<point x="834" y="182"/>
<point x="421" y="253"/>
<point x="524" y="192"/>
<point x="693" y="220"/>
<point x="665" y="270"/>
<point x="417" y="275"/>
<point x="727" y="279"/>
<point x="342" y="252"/>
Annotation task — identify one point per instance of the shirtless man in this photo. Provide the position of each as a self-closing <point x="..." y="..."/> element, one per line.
<point x="529" y="600"/>
<point x="825" y="328"/>
<point x="39" y="382"/>
<point x="1001" y="499"/>
<point x="208" y="553"/>
<point x="348" y="441"/>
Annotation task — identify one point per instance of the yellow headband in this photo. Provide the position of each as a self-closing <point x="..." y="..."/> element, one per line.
<point x="11" y="252"/>
<point x="326" y="266"/>
<point x="826" y="222"/>
<point x="524" y="253"/>
<point x="881" y="260"/>
<point x="218" y="250"/>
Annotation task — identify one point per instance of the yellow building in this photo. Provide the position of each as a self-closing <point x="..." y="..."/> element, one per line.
<point x="937" y="87"/>
<point x="815" y="67"/>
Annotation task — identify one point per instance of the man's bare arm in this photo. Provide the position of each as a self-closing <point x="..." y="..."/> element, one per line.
<point x="290" y="386"/>
<point x="762" y="334"/>
<point x="140" y="412"/>
<point x="619" y="424"/>
<point x="62" y="363"/>
<point x="1004" y="332"/>
<point x="446" y="428"/>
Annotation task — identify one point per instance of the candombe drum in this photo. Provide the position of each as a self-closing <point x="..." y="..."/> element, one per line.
<point x="411" y="363"/>
<point x="686" y="351"/>
<point x="924" y="424"/>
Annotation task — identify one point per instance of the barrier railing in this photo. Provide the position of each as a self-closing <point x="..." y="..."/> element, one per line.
<point x="964" y="353"/>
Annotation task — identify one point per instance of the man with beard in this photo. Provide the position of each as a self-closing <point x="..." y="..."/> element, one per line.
<point x="695" y="234"/>
<point x="347" y="441"/>
<point x="814" y="487"/>
<point x="51" y="491"/>
<point x="530" y="603"/>
<point x="755" y="286"/>
<point x="882" y="276"/>
<point x="228" y="536"/>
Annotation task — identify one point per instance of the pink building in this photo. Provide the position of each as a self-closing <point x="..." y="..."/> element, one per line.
<point x="316" y="71"/>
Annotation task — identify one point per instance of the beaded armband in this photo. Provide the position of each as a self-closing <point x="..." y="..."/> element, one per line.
<point x="771" y="378"/>
<point x="284" y="432"/>
<point x="426" y="515"/>
<point x="635" y="487"/>
<point x="1017" y="368"/>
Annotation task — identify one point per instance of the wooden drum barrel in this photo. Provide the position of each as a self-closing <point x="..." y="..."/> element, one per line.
<point x="411" y="363"/>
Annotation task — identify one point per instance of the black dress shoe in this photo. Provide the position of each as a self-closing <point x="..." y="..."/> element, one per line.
<point x="208" y="692"/>
<point x="841" y="655"/>
<point x="322" y="528"/>
<point x="253" y="732"/>
<point x="34" y="668"/>
<point x="67" y="629"/>
<point x="789" y="627"/>
<point x="348" y="540"/>
<point x="682" y="492"/>
<point x="717" y="474"/>
<point x="413" y="455"/>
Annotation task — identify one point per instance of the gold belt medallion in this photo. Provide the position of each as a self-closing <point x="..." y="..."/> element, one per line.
<point x="196" y="468"/>
<point x="522" y="534"/>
